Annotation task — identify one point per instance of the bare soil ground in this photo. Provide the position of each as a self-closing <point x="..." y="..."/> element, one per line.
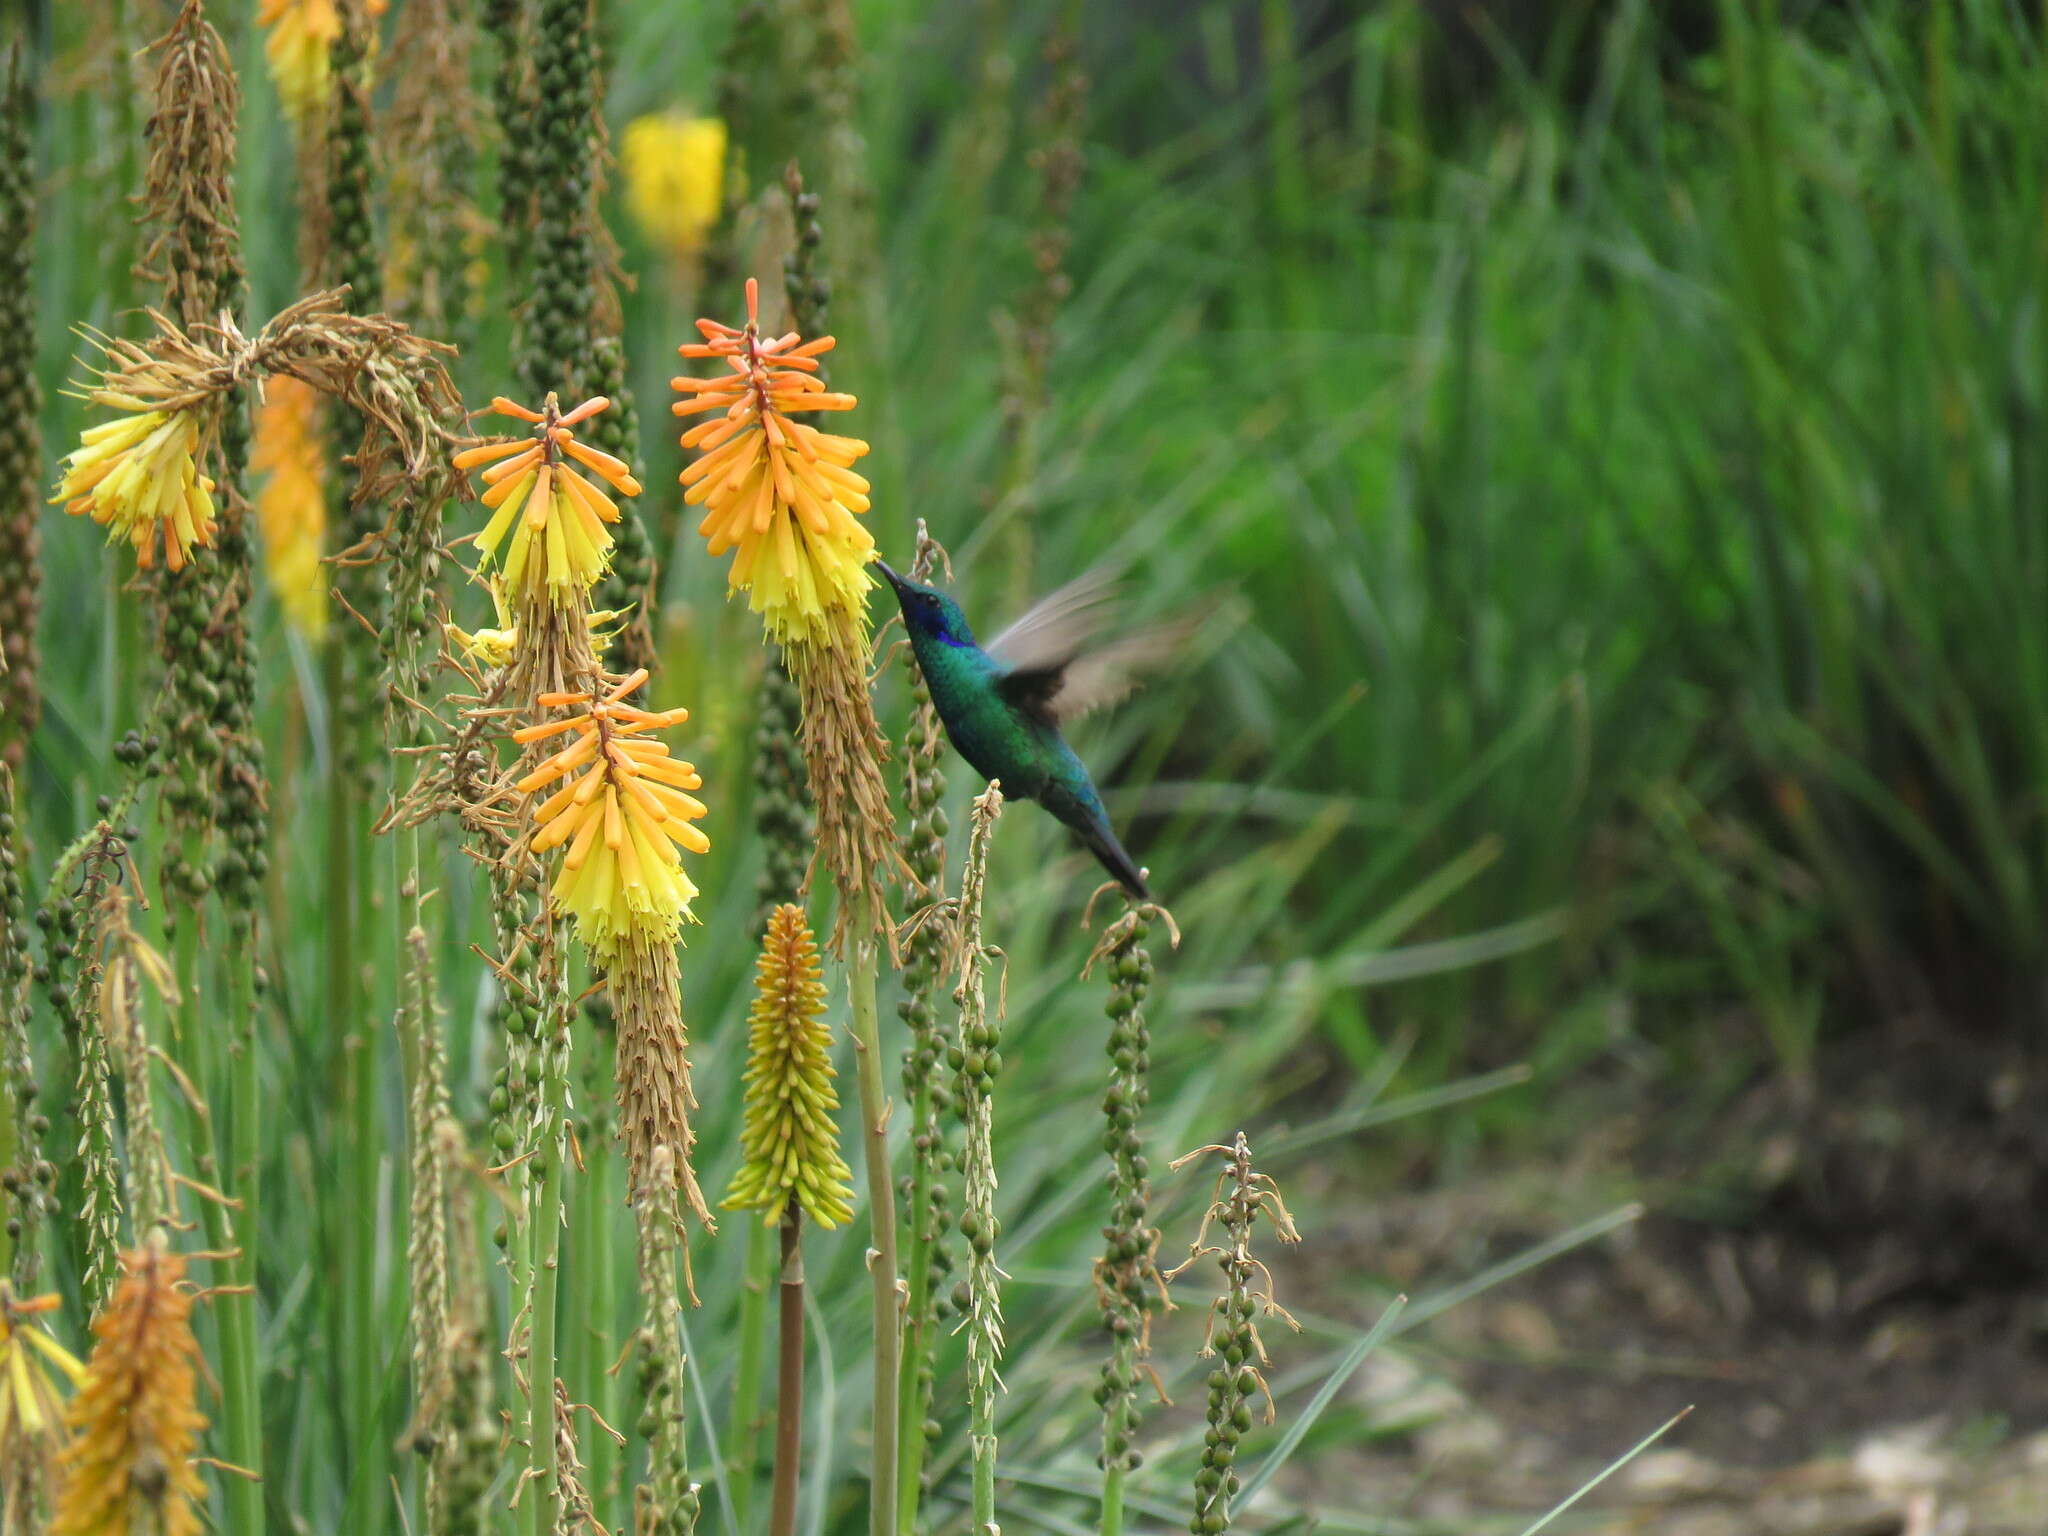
<point x="1848" y="1287"/>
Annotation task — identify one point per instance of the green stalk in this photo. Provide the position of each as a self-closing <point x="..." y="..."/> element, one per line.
<point x="241" y="1413"/>
<point x="245" y="1110"/>
<point x="913" y="1396"/>
<point x="547" y="1250"/>
<point x="744" y="1436"/>
<point x="867" y="1052"/>
<point x="789" y="1395"/>
<point x="1113" y="1496"/>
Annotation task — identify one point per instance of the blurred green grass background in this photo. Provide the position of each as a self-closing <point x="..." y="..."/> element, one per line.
<point x="1612" y="443"/>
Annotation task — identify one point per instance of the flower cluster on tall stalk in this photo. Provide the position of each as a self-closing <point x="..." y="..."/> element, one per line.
<point x="21" y="573"/>
<point x="135" y="1422"/>
<point x="674" y="167"/>
<point x="791" y="1167"/>
<point x="1242" y="1195"/>
<point x="610" y="812"/>
<point x="780" y="495"/>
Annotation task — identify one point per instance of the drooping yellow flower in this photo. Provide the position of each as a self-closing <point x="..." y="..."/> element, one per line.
<point x="138" y="477"/>
<point x="291" y="509"/>
<point x="623" y="813"/>
<point x="31" y="1363"/>
<point x="548" y="519"/>
<point x="780" y="493"/>
<point x="299" y="47"/>
<point x="135" y="1422"/>
<point x="790" y="1145"/>
<point x="675" y="177"/>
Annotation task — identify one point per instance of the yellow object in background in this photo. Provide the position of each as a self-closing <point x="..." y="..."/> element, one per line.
<point x="675" y="177"/>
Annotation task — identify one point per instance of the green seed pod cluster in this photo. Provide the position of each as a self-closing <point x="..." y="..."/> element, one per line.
<point x="630" y="583"/>
<point x="666" y="1504"/>
<point x="512" y="103"/>
<point x="783" y="823"/>
<point x="21" y="702"/>
<point x="1128" y="1288"/>
<point x="556" y="354"/>
<point x="71" y="975"/>
<point x="976" y="1059"/>
<point x="353" y="258"/>
<point x="194" y="252"/>
<point x="515" y="1089"/>
<point x="926" y="1196"/>
<point x="1243" y="1194"/>
<point x="26" y="1177"/>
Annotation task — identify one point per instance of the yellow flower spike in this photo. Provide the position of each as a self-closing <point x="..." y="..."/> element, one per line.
<point x="299" y="50"/>
<point x="622" y="811"/>
<point x="138" y="477"/>
<point x="778" y="493"/>
<point x="135" y="1422"/>
<point x="291" y="509"/>
<point x="675" y="177"/>
<point x="790" y="1145"/>
<point x="547" y="529"/>
<point x="31" y="1366"/>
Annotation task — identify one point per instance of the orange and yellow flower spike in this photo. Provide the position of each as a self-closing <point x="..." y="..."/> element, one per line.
<point x="138" y="477"/>
<point x="291" y="509"/>
<point x="31" y="1364"/>
<point x="780" y="493"/>
<point x="624" y="813"/>
<point x="548" y="529"/>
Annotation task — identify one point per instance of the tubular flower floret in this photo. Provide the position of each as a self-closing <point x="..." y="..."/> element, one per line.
<point x="624" y="811"/>
<point x="780" y="493"/>
<point x="548" y="529"/>
<point x="291" y="509"/>
<point x="675" y="177"/>
<point x="138" y="477"/>
<point x="791" y="1144"/>
<point x="31" y="1364"/>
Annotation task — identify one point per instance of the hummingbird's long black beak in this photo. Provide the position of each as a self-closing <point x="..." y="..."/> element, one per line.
<point x="895" y="580"/>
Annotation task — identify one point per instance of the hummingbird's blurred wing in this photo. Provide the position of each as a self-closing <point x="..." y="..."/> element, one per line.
<point x="1051" y="668"/>
<point x="1053" y="630"/>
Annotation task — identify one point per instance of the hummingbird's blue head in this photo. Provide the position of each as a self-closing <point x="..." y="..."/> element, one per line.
<point x="927" y="611"/>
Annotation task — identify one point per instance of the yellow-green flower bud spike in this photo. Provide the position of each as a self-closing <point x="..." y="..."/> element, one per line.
<point x="790" y="1143"/>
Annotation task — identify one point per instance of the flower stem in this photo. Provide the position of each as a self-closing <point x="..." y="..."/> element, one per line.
<point x="547" y="1244"/>
<point x="789" y="1393"/>
<point x="874" y="1117"/>
<point x="241" y="1414"/>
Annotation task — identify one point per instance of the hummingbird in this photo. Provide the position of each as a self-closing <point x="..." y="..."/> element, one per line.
<point x="1003" y="704"/>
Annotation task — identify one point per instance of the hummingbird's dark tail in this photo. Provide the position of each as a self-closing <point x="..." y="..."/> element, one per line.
<point x="1102" y="843"/>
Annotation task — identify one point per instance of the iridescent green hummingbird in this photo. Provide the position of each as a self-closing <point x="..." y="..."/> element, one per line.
<point x="1003" y="703"/>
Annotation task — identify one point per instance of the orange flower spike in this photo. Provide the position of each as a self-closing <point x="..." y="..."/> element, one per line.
<point x="548" y="529"/>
